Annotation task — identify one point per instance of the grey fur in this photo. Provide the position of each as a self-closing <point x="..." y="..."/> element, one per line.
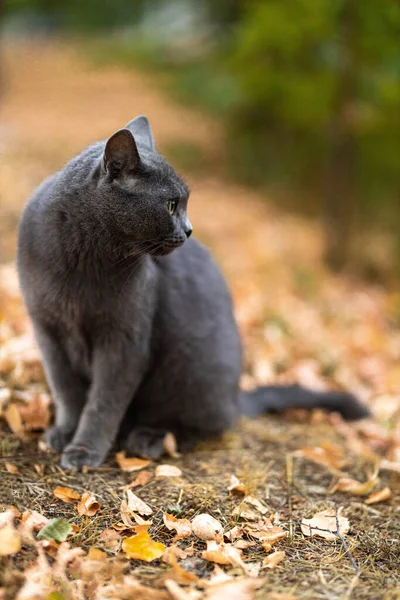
<point x="136" y="339"/>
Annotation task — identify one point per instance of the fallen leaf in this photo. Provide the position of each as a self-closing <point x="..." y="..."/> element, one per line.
<point x="243" y="511"/>
<point x="96" y="554"/>
<point x="205" y="527"/>
<point x="167" y="471"/>
<point x="256" y="503"/>
<point x="242" y="588"/>
<point x="142" y="547"/>
<point x="237" y="486"/>
<point x="11" y="468"/>
<point x="36" y="412"/>
<point x="178" y="573"/>
<point x="142" y="479"/>
<point x="234" y="533"/>
<point x="170" y="445"/>
<point x="129" y="518"/>
<point x="34" y="520"/>
<point x="136" y="505"/>
<point x="10" y="540"/>
<point x="273" y="559"/>
<point x="352" y="486"/>
<point x="39" y="469"/>
<point x="173" y="552"/>
<point x="329" y="455"/>
<point x="56" y="530"/>
<point x="223" y="554"/>
<point x="265" y="532"/>
<point x="379" y="496"/>
<point x="88" y="505"/>
<point x="179" y="593"/>
<point x="14" y="421"/>
<point x="130" y="464"/>
<point x="66" y="494"/>
<point x="183" y="527"/>
<point x="323" y="524"/>
<point x="243" y="544"/>
<point x="390" y="465"/>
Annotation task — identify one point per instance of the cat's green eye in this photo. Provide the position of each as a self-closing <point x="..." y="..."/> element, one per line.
<point x="172" y="204"/>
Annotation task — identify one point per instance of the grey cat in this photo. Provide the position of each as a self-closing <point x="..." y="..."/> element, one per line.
<point x="133" y="320"/>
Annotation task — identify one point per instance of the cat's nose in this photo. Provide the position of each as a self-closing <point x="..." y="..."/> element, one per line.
<point x="188" y="232"/>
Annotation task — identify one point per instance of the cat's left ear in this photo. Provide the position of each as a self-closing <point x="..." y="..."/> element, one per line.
<point x="140" y="128"/>
<point x="121" y="156"/>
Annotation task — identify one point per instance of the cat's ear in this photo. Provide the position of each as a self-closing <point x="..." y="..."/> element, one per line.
<point x="121" y="155"/>
<point x="140" y="128"/>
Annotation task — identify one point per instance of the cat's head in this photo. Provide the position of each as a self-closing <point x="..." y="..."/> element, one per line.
<point x="143" y="198"/>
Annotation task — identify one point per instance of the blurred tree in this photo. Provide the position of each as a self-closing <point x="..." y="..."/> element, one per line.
<point x="320" y="105"/>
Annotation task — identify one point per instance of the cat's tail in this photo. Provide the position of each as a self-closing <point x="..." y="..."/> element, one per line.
<point x="277" y="399"/>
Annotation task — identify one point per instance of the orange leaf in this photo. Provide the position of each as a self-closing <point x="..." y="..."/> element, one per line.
<point x="130" y="464"/>
<point x="88" y="505"/>
<point x="273" y="559"/>
<point x="36" y="412"/>
<point x="237" y="486"/>
<point x="379" y="496"/>
<point x="66" y="494"/>
<point x="14" y="421"/>
<point x="12" y="468"/>
<point x="352" y="486"/>
<point x="10" y="540"/>
<point x="182" y="527"/>
<point x="142" y="547"/>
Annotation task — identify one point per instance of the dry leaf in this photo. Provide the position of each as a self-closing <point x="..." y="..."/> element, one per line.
<point x="205" y="527"/>
<point x="11" y="468"/>
<point x="265" y="532"/>
<point x="273" y="559"/>
<point x="243" y="511"/>
<point x="170" y="445"/>
<point x="36" y="412"/>
<point x="234" y="533"/>
<point x="88" y="505"/>
<point x="34" y="520"/>
<point x="379" y="496"/>
<point x="66" y="494"/>
<point x="179" y="593"/>
<point x="242" y="588"/>
<point x="136" y="505"/>
<point x="329" y="455"/>
<point x="14" y="421"/>
<point x="142" y="479"/>
<point x="256" y="503"/>
<point x="96" y="554"/>
<point x="142" y="547"/>
<point x="130" y="464"/>
<point x="39" y="469"/>
<point x="127" y="515"/>
<point x="323" y="524"/>
<point x="237" y="486"/>
<point x="183" y="527"/>
<point x="352" y="486"/>
<point x="10" y="538"/>
<point x="224" y="554"/>
<point x="167" y="471"/>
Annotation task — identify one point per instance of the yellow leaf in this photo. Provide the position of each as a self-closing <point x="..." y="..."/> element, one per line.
<point x="14" y="421"/>
<point x="66" y="494"/>
<point x="379" y="496"/>
<point x="88" y="505"/>
<point x="130" y="464"/>
<point x="167" y="471"/>
<point x="10" y="540"/>
<point x="182" y="527"/>
<point x="324" y="525"/>
<point x="142" y="547"/>
<point x="96" y="554"/>
<point x="273" y="559"/>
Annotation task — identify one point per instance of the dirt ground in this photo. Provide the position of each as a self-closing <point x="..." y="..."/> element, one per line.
<point x="299" y="323"/>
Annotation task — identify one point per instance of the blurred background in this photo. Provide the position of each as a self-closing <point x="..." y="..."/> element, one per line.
<point x="306" y="95"/>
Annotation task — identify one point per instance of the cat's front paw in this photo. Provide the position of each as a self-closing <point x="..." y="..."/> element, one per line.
<point x="57" y="438"/>
<point x="76" y="457"/>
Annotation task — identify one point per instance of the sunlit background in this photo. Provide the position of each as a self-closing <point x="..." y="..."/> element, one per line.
<point x="306" y="95"/>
